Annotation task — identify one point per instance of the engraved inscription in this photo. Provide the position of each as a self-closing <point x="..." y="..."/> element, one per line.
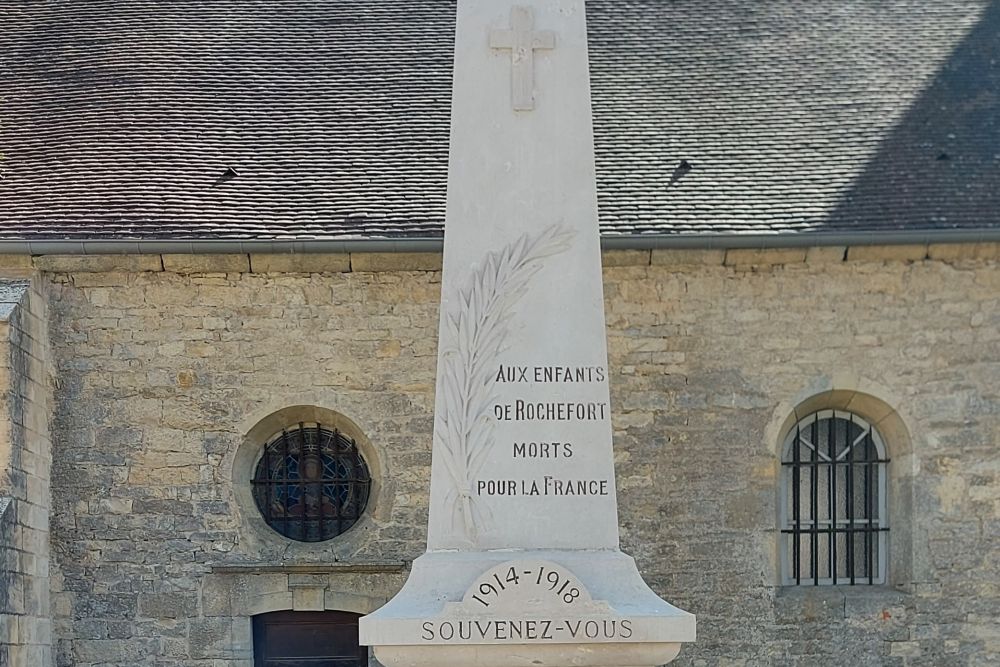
<point x="527" y="601"/>
<point x="528" y="630"/>
<point x="535" y="378"/>
<point x="497" y="582"/>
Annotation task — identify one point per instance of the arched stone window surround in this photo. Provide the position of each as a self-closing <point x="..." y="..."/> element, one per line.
<point x="867" y="482"/>
<point x="255" y="533"/>
<point x="864" y="399"/>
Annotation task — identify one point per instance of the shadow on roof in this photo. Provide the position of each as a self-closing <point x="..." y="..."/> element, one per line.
<point x="940" y="166"/>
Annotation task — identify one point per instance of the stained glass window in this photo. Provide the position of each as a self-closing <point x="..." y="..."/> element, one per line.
<point x="311" y="483"/>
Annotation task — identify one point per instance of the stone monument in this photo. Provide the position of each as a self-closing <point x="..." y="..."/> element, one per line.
<point x="523" y="565"/>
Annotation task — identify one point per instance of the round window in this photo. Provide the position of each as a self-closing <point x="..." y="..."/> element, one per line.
<point x="311" y="483"/>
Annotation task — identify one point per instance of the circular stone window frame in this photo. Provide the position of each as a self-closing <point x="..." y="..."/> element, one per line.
<point x="257" y="535"/>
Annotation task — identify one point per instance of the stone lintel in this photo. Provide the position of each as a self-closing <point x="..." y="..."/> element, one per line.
<point x="375" y="567"/>
<point x="296" y="580"/>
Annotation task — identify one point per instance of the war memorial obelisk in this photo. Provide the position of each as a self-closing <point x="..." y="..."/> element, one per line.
<point x="523" y="566"/>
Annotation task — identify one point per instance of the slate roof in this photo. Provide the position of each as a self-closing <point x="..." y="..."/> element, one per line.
<point x="317" y="119"/>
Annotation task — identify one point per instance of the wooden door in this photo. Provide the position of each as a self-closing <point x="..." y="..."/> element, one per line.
<point x="307" y="639"/>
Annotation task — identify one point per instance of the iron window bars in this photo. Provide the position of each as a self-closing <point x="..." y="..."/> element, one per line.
<point x="311" y="483"/>
<point x="834" y="522"/>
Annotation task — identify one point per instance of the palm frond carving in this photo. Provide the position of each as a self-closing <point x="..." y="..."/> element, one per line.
<point x="474" y="334"/>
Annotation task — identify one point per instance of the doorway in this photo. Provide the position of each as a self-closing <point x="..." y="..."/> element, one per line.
<point x="307" y="639"/>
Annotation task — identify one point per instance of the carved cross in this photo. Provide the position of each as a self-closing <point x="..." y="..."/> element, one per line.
<point x="522" y="40"/>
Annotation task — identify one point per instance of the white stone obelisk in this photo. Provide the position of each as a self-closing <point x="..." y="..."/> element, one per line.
<point x="523" y="566"/>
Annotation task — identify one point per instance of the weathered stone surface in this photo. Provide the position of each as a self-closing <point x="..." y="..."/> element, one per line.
<point x="953" y="252"/>
<point x="25" y="465"/>
<point x="702" y="357"/>
<point x="16" y="263"/>
<point x="206" y="263"/>
<point x="301" y="263"/>
<point x="625" y="258"/>
<point x="826" y="254"/>
<point x="98" y="263"/>
<point x="210" y="638"/>
<point x="168" y="605"/>
<point x="678" y="257"/>
<point x="887" y="253"/>
<point x="395" y="261"/>
<point x="763" y="257"/>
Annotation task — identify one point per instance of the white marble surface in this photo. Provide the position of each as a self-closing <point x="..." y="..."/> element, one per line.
<point x="522" y="301"/>
<point x="522" y="483"/>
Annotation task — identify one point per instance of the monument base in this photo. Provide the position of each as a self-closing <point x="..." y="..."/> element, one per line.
<point x="536" y="608"/>
<point x="596" y="655"/>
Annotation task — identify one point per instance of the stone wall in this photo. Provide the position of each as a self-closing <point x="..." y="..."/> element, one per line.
<point x="166" y="364"/>
<point x="25" y="462"/>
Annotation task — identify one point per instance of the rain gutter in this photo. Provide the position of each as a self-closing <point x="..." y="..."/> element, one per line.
<point x="433" y="245"/>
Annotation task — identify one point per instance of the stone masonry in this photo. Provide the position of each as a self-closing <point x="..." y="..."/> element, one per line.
<point x="164" y="365"/>
<point x="25" y="461"/>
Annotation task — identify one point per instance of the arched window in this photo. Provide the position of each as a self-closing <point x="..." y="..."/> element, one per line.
<point x="311" y="483"/>
<point x="834" y="523"/>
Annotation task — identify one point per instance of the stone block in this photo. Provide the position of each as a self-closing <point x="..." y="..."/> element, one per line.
<point x="308" y="599"/>
<point x="764" y="256"/>
<point x="97" y="263"/>
<point x="951" y="252"/>
<point x="168" y="605"/>
<point x="887" y="253"/>
<point x="395" y="261"/>
<point x="611" y="258"/>
<point x="301" y="580"/>
<point x="905" y="649"/>
<point x="826" y="254"/>
<point x="216" y="597"/>
<point x="16" y="263"/>
<point x="797" y="605"/>
<point x="102" y="279"/>
<point x="206" y="263"/>
<point x="686" y="257"/>
<point x="301" y="263"/>
<point x="209" y="637"/>
<point x="105" y="606"/>
<point x="137" y="651"/>
<point x="246" y="591"/>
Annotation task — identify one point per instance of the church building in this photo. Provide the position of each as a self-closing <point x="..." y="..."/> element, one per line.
<point x="221" y="232"/>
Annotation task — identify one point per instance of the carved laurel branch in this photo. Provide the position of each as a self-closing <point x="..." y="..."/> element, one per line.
<point x="476" y="331"/>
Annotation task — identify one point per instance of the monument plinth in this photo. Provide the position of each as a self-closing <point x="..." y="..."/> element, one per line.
<point x="523" y="565"/>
